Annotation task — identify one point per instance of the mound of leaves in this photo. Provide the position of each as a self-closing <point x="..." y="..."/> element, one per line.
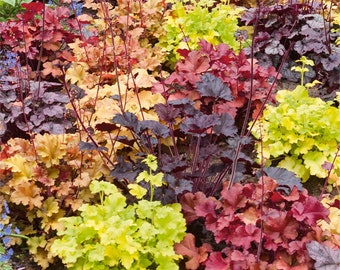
<point x="302" y="32"/>
<point x="252" y="226"/>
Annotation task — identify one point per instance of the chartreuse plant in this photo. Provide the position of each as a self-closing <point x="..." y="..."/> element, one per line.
<point x="154" y="179"/>
<point x="303" y="69"/>
<point x="114" y="235"/>
<point x="301" y="134"/>
<point x="191" y="21"/>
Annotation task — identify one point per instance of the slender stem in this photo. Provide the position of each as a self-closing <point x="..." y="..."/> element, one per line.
<point x="329" y="173"/>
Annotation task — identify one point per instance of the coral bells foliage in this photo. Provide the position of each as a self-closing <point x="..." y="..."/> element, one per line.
<point x="207" y="75"/>
<point x="252" y="226"/>
<point x="44" y="180"/>
<point x="40" y="36"/>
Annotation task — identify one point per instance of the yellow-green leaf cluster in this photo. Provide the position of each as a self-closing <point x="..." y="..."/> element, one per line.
<point x="301" y="133"/>
<point x="192" y="21"/>
<point x="113" y="235"/>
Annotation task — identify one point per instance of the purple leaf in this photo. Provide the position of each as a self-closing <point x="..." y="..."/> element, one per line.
<point x="212" y="86"/>
<point x="275" y="47"/>
<point x="54" y="111"/>
<point x="157" y="128"/>
<point x="3" y="126"/>
<point x="325" y="257"/>
<point x="128" y="120"/>
<point x="167" y="113"/>
<point x="226" y="126"/>
<point x="83" y="146"/>
<point x="286" y="179"/>
<point x="37" y="119"/>
<point x="52" y="97"/>
<point x="333" y="60"/>
<point x="200" y="123"/>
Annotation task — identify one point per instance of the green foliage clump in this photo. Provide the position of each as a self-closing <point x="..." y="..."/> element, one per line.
<point x="9" y="8"/>
<point x="112" y="235"/>
<point x="300" y="134"/>
<point x="191" y="21"/>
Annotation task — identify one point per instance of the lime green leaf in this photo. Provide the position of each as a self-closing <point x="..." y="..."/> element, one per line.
<point x="157" y="179"/>
<point x="143" y="176"/>
<point x="313" y="161"/>
<point x="137" y="191"/>
<point x="102" y="186"/>
<point x="151" y="162"/>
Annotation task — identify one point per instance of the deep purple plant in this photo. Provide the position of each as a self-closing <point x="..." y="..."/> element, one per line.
<point x="296" y="29"/>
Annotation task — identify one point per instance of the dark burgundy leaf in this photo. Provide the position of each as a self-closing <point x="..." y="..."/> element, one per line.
<point x="157" y="128"/>
<point x="128" y="120"/>
<point x="167" y="112"/>
<point x="212" y="86"/>
<point x="172" y="164"/>
<point x="108" y="127"/>
<point x="208" y="151"/>
<point x="199" y="123"/>
<point x="125" y="170"/>
<point x="178" y="185"/>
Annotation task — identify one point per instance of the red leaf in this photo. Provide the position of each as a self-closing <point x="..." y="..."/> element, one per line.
<point x="183" y="52"/>
<point x="195" y="63"/>
<point x="241" y="260"/>
<point x="336" y="204"/>
<point x="195" y="255"/>
<point x="217" y="262"/>
<point x="189" y="202"/>
<point x="32" y="9"/>
<point x="279" y="223"/>
<point x="205" y="208"/>
<point x="310" y="211"/>
<point x="233" y="198"/>
<point x="245" y="235"/>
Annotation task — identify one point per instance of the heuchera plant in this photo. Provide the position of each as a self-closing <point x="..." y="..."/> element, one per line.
<point x="300" y="134"/>
<point x="196" y="137"/>
<point x="39" y="35"/>
<point x="114" y="235"/>
<point x="303" y="32"/>
<point x="252" y="226"/>
<point x="191" y="21"/>
<point x="44" y="180"/>
<point x="218" y="80"/>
